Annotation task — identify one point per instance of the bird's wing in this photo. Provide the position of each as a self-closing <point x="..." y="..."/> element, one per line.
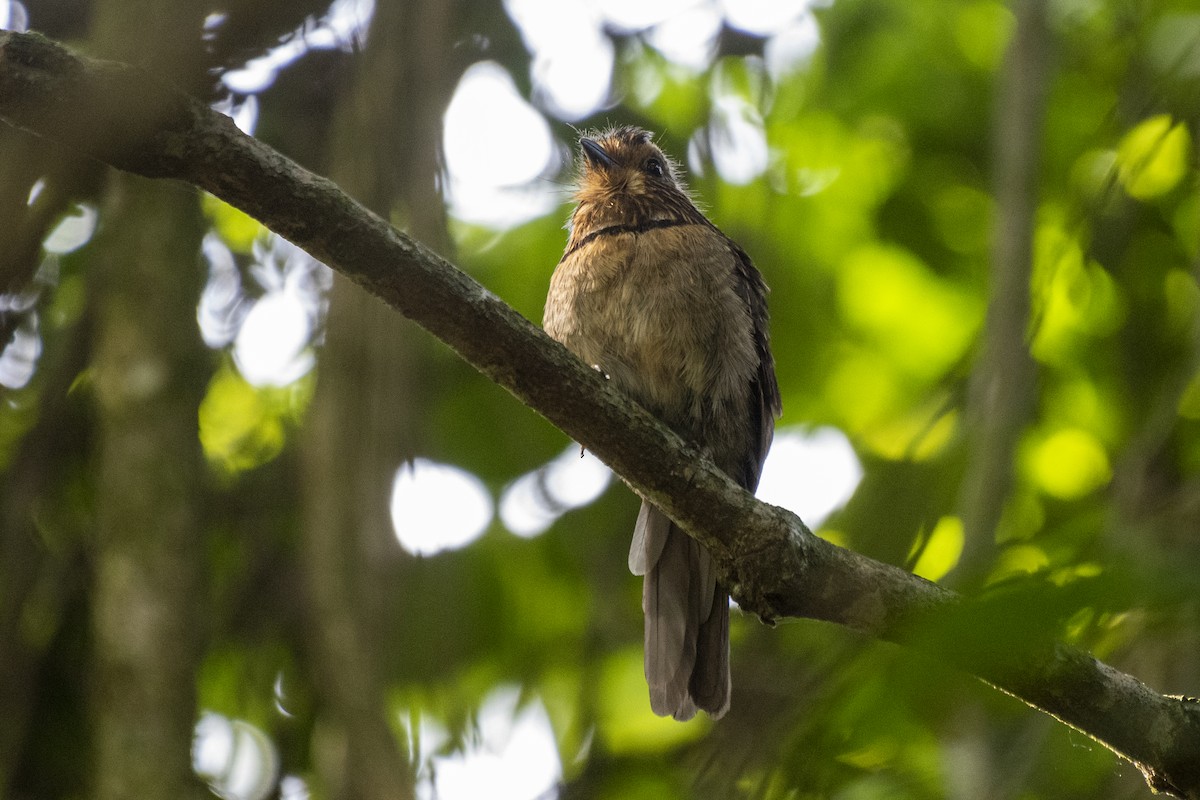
<point x="766" y="403"/>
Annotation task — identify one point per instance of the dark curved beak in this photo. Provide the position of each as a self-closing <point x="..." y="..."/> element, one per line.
<point x="595" y="154"/>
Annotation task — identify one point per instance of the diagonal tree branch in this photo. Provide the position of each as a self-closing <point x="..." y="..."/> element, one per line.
<point x="772" y="563"/>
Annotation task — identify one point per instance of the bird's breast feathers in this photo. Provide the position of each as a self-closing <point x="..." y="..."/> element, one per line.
<point x="658" y="311"/>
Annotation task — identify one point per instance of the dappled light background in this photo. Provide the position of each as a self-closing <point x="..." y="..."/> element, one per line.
<point x="403" y="583"/>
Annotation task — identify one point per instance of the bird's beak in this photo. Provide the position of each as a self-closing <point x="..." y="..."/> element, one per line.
<point x="595" y="154"/>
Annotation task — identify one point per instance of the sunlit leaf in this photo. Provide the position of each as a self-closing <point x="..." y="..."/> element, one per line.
<point x="1021" y="559"/>
<point x="1114" y="631"/>
<point x="918" y="435"/>
<point x="242" y="426"/>
<point x="879" y="753"/>
<point x="1073" y="297"/>
<point x="1093" y="172"/>
<point x="235" y="227"/>
<point x="1067" y="463"/>
<point x="833" y="536"/>
<point x="1083" y="403"/>
<point x="1078" y="625"/>
<point x="923" y="322"/>
<point x="1086" y="569"/>
<point x="1153" y="157"/>
<point x="982" y="31"/>
<point x="942" y="551"/>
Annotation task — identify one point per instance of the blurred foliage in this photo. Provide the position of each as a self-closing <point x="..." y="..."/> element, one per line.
<point x="872" y="222"/>
<point x="241" y="426"/>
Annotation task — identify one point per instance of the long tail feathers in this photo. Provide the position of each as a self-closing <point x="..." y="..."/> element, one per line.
<point x="687" y="620"/>
<point x="710" y="685"/>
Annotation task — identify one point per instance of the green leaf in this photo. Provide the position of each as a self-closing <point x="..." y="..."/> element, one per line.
<point x="1153" y="157"/>
<point x="942" y="551"/>
<point x="236" y="228"/>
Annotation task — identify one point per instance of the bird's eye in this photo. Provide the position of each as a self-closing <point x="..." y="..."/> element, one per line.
<point x="654" y="167"/>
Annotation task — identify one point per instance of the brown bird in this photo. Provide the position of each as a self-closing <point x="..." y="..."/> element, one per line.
<point x="675" y="314"/>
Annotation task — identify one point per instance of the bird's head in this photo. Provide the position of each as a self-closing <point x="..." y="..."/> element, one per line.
<point x="625" y="179"/>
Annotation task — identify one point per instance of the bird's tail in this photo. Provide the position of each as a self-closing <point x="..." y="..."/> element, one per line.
<point x="687" y="619"/>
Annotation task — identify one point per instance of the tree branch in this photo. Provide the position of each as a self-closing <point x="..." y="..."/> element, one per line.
<point x="772" y="563"/>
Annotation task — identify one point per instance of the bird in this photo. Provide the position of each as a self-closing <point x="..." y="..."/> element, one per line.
<point x="674" y="313"/>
